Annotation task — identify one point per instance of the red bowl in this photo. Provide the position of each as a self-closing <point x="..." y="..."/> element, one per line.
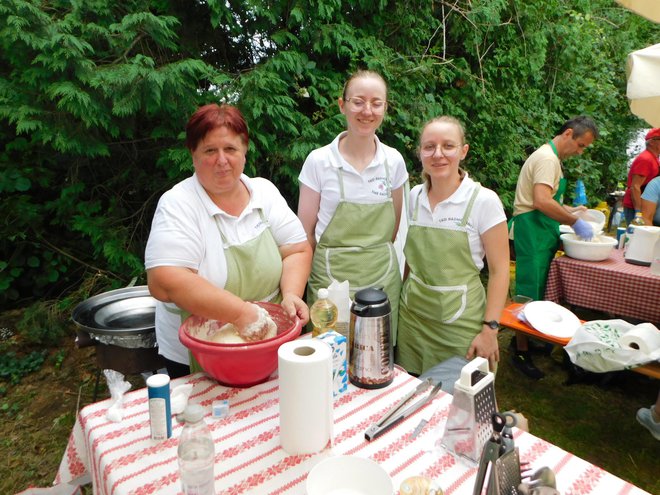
<point x="241" y="365"/>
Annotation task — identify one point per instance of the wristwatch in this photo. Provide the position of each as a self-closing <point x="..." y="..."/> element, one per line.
<point x="494" y="324"/>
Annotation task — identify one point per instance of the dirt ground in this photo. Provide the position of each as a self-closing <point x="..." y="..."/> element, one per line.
<point x="38" y="413"/>
<point x="595" y="421"/>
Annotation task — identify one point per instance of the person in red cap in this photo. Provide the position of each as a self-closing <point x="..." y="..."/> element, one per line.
<point x="643" y="169"/>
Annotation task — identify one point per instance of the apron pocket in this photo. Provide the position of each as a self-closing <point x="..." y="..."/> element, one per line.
<point x="437" y="303"/>
<point x="369" y="266"/>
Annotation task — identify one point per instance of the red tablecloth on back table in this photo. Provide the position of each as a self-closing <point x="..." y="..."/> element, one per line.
<point x="612" y="286"/>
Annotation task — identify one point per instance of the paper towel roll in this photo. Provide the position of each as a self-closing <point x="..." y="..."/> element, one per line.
<point x="305" y="376"/>
<point x="645" y="337"/>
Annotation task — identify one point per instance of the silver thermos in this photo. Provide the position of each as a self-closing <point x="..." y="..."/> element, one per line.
<point x="371" y="359"/>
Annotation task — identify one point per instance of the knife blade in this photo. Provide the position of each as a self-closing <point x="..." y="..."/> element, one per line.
<point x="426" y="417"/>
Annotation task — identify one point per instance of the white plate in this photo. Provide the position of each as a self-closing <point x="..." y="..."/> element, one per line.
<point x="348" y="475"/>
<point x="552" y="319"/>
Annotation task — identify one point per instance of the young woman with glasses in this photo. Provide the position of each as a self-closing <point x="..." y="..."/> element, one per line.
<point x="351" y="193"/>
<point x="453" y="223"/>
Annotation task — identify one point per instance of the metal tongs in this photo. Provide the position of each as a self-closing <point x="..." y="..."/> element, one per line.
<point x="395" y="415"/>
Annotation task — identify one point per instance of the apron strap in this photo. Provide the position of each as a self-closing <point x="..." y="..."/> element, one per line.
<point x="468" y="210"/>
<point x="415" y="211"/>
<point x="406" y="198"/>
<point x="387" y="179"/>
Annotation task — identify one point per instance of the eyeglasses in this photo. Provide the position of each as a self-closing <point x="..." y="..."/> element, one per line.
<point x="358" y="104"/>
<point x="447" y="149"/>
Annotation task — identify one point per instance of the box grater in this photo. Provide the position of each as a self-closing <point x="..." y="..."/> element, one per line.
<point x="469" y="424"/>
<point x="506" y="474"/>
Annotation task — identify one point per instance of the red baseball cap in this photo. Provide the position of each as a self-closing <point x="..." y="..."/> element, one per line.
<point x="653" y="133"/>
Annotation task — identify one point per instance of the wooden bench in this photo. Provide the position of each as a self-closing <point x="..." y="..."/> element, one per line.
<point x="509" y="320"/>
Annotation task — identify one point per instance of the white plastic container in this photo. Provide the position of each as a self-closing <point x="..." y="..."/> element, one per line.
<point x="596" y="250"/>
<point x="596" y="218"/>
<point x="655" y="263"/>
<point x="160" y="412"/>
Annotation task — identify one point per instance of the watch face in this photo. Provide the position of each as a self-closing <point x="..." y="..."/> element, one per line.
<point x="492" y="324"/>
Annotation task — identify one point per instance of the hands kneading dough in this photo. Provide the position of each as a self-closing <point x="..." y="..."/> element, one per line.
<point x="263" y="328"/>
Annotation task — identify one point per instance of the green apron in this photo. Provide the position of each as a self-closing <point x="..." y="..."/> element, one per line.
<point x="357" y="246"/>
<point x="535" y="241"/>
<point x="254" y="270"/>
<point x="443" y="300"/>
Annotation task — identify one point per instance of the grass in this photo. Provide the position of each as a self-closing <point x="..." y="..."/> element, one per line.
<point x="593" y="422"/>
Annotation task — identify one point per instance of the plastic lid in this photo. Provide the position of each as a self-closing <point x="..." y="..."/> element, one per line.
<point x="158" y="380"/>
<point x="193" y="413"/>
<point x="323" y="293"/>
<point x="371" y="295"/>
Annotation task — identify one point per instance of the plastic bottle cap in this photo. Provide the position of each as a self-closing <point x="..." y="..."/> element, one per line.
<point x="193" y="413"/>
<point x="323" y="293"/>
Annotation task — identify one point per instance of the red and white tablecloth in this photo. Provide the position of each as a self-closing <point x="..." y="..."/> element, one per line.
<point x="122" y="459"/>
<point x="612" y="286"/>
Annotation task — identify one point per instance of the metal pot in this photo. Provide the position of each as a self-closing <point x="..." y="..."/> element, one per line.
<point x="371" y="360"/>
<point x="122" y="317"/>
<point x="121" y="324"/>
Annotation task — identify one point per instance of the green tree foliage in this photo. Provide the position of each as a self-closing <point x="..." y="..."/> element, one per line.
<point x="94" y="95"/>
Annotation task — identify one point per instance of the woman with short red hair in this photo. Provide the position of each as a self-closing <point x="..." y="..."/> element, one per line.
<point x="220" y="238"/>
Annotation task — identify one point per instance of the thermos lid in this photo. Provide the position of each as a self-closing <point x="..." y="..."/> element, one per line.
<point x="370" y="296"/>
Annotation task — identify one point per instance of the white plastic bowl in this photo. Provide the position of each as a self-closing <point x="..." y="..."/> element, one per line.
<point x="347" y="474"/>
<point x="597" y="250"/>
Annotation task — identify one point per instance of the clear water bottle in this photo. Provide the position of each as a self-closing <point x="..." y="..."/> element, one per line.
<point x="196" y="454"/>
<point x="323" y="314"/>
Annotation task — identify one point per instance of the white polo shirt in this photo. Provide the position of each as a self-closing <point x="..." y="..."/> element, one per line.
<point x="487" y="211"/>
<point x="319" y="173"/>
<point x="185" y="232"/>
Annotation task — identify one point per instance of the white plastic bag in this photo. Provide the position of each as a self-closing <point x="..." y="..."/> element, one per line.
<point x="596" y="347"/>
<point x="118" y="387"/>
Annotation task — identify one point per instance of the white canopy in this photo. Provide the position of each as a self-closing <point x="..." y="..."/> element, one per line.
<point x="643" y="69"/>
<point x="647" y="8"/>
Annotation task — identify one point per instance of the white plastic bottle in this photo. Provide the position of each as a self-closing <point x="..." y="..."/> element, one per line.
<point x="196" y="454"/>
<point x="323" y="314"/>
